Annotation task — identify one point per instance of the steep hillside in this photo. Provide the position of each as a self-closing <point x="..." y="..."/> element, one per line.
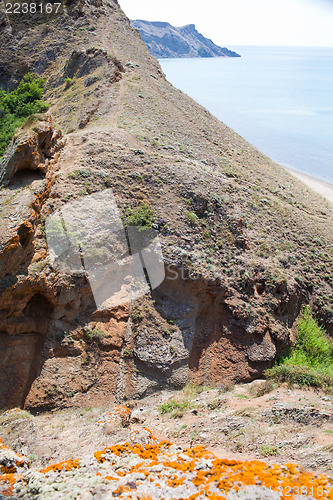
<point x="244" y="243"/>
<point x="164" y="40"/>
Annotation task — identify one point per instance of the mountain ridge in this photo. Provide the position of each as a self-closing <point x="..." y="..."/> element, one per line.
<point x="165" y="40"/>
<point x="249" y="244"/>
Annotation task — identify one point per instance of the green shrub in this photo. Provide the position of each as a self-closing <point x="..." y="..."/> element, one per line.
<point x="268" y="451"/>
<point x="174" y="406"/>
<point x="94" y="335"/>
<point x="192" y="390"/>
<point x="80" y="172"/>
<point x="68" y="82"/>
<point x="312" y="342"/>
<point x="191" y="217"/>
<point x="141" y="217"/>
<point x="310" y="361"/>
<point x="17" y="105"/>
<point x="300" y="375"/>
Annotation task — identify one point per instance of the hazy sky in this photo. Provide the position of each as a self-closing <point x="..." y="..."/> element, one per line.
<point x="244" y="22"/>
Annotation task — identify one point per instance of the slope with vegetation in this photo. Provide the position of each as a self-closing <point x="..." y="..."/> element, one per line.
<point x="17" y="105"/>
<point x="310" y="361"/>
<point x="247" y="243"/>
<point x="223" y="444"/>
<point x="245" y="247"/>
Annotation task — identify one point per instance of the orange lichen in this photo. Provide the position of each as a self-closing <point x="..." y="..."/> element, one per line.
<point x="11" y="469"/>
<point x="11" y="244"/>
<point x="147" y="451"/>
<point x="213" y="477"/>
<point x="3" y="446"/>
<point x="176" y="481"/>
<point x="224" y="474"/>
<point x="108" y="478"/>
<point x="5" y="469"/>
<point x="13" y="410"/>
<point x="66" y="465"/>
<point x="7" y="483"/>
<point x="120" y="414"/>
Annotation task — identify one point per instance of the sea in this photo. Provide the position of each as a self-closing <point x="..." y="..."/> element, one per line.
<point x="280" y="99"/>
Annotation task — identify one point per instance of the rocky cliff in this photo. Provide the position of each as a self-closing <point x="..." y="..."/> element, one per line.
<point x="164" y="40"/>
<point x="244" y="244"/>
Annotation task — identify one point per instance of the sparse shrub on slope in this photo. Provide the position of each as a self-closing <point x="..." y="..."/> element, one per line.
<point x="141" y="217"/>
<point x="310" y="362"/>
<point x="17" y="105"/>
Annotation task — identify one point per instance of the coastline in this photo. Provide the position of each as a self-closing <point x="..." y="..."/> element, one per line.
<point x="232" y="105"/>
<point x="323" y="188"/>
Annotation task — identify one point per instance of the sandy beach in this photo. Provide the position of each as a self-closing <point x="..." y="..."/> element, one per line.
<point x="321" y="187"/>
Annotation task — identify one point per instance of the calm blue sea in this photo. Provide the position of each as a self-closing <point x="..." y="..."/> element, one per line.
<point x="280" y="99"/>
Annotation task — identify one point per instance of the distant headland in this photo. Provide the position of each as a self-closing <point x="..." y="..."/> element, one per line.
<point x="165" y="40"/>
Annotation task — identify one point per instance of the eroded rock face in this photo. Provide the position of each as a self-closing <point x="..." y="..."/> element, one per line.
<point x="25" y="314"/>
<point x="28" y="162"/>
<point x="82" y="363"/>
<point x="58" y="350"/>
<point x="20" y="355"/>
<point x="83" y="63"/>
<point x="194" y="331"/>
<point x="231" y="313"/>
<point x="26" y="304"/>
<point x="31" y="151"/>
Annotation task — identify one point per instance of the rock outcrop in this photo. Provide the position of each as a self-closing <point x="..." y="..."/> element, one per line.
<point x="254" y="440"/>
<point x="164" y="40"/>
<point x="145" y="467"/>
<point x="245" y="245"/>
<point x="28" y="172"/>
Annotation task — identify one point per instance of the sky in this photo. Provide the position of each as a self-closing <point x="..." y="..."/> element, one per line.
<point x="244" y="22"/>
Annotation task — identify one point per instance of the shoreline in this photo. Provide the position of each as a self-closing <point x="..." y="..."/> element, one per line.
<point x="323" y="188"/>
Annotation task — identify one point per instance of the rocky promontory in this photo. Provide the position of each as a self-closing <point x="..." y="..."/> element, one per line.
<point x="245" y="245"/>
<point x="165" y="40"/>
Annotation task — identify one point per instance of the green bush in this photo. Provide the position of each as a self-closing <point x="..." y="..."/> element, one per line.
<point x="68" y="82"/>
<point x="17" y="105"/>
<point x="94" y="335"/>
<point x="268" y="451"/>
<point x="141" y="217"/>
<point x="191" y="217"/>
<point x="173" y="405"/>
<point x="80" y="172"/>
<point x="310" y="361"/>
<point x="313" y="344"/>
<point x="300" y="375"/>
